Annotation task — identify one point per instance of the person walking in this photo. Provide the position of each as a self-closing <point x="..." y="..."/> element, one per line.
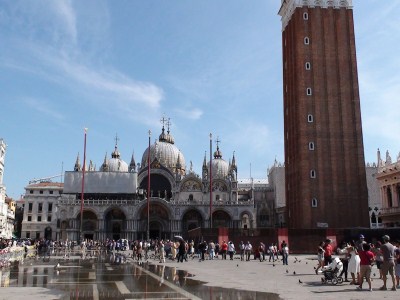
<point x="328" y="252"/>
<point x="354" y="263"/>
<point x="211" y="250"/>
<point x="344" y="258"/>
<point x="248" y="248"/>
<point x="241" y="249"/>
<point x="224" y="249"/>
<point x="161" y="249"/>
<point x="285" y="252"/>
<point x="366" y="260"/>
<point x="388" y="262"/>
<point x="231" y="249"/>
<point x="320" y="256"/>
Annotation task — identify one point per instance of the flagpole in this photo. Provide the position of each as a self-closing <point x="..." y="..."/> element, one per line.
<point x="211" y="224"/>
<point x="148" y="190"/>
<point x="83" y="186"/>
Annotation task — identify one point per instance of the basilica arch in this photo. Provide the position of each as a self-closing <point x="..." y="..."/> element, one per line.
<point x="89" y="224"/>
<point x="191" y="219"/>
<point x="159" y="222"/>
<point x="221" y="219"/>
<point x="115" y="223"/>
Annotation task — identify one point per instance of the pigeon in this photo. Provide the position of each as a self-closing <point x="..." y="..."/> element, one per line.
<point x="300" y="281"/>
<point x="374" y="275"/>
<point x="306" y="262"/>
<point x="294" y="272"/>
<point x="237" y="265"/>
<point x="315" y="268"/>
<point x="287" y="271"/>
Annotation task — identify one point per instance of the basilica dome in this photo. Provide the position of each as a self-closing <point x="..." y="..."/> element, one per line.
<point x="166" y="153"/>
<point x="115" y="163"/>
<point x="220" y="167"/>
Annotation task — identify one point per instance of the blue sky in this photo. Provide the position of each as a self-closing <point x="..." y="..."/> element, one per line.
<point x="215" y="66"/>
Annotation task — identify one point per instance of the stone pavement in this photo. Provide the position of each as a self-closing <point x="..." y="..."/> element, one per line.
<point x="295" y="281"/>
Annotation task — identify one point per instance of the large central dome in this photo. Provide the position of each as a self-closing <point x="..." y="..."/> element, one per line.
<point x="166" y="153"/>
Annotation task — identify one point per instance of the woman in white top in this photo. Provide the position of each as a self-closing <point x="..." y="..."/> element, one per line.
<point x="354" y="263"/>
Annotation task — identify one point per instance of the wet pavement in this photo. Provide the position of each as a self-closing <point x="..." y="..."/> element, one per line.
<point x="119" y="277"/>
<point x="109" y="277"/>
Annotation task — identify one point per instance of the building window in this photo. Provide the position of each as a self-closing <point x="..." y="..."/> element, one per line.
<point x="50" y="207"/>
<point x="51" y="192"/>
<point x="306" y="41"/>
<point x="310" y="118"/>
<point x="305" y="16"/>
<point x="37" y="235"/>
<point x="40" y="207"/>
<point x="39" y="218"/>
<point x="28" y="235"/>
<point x="48" y="218"/>
<point x="31" y="192"/>
<point x="191" y="197"/>
<point x="309" y="91"/>
<point x="314" y="202"/>
<point x="311" y="146"/>
<point x="313" y="174"/>
<point x="389" y="196"/>
<point x="29" y="218"/>
<point x="41" y="192"/>
<point x="217" y="197"/>
<point x="308" y="66"/>
<point x="30" y="207"/>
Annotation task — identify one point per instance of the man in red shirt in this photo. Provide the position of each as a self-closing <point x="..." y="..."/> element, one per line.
<point x="366" y="259"/>
<point x="328" y="252"/>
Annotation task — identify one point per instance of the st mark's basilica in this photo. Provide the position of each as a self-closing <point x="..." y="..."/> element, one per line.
<point x="115" y="197"/>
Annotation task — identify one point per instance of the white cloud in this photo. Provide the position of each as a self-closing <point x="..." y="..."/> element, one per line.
<point x="43" y="106"/>
<point x="190" y="113"/>
<point x="66" y="14"/>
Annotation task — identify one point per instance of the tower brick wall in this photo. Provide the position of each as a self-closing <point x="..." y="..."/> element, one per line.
<point x="322" y="107"/>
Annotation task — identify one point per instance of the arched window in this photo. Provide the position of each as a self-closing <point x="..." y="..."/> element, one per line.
<point x="309" y="91"/>
<point x="314" y="202"/>
<point x="311" y="146"/>
<point x="191" y="197"/>
<point x="308" y="66"/>
<point x="310" y="118"/>
<point x="305" y="16"/>
<point x="306" y="41"/>
<point x="313" y="174"/>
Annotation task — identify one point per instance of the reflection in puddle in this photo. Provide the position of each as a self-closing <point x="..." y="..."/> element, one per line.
<point x="111" y="277"/>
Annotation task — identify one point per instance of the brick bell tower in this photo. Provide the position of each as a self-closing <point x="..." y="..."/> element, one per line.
<point x="324" y="153"/>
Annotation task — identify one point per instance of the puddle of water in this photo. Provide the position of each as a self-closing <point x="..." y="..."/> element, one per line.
<point x="111" y="278"/>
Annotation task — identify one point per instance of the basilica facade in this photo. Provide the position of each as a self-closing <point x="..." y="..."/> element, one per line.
<point x="116" y="202"/>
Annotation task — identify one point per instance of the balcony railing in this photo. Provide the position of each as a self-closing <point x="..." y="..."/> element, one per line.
<point x="390" y="210"/>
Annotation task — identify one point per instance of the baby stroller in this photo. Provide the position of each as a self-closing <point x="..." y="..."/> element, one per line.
<point x="331" y="272"/>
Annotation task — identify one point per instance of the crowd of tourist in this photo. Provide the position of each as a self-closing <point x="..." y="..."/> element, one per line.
<point x="358" y="258"/>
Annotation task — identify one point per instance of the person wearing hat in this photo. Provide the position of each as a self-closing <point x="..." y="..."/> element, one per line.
<point x="387" y="250"/>
<point x="361" y="241"/>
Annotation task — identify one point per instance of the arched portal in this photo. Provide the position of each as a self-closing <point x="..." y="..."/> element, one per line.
<point x="155" y="230"/>
<point x="89" y="224"/>
<point x="191" y="220"/>
<point x="221" y="219"/>
<point x="47" y="233"/>
<point x="245" y="221"/>
<point x="159" y="221"/>
<point x="115" y="222"/>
